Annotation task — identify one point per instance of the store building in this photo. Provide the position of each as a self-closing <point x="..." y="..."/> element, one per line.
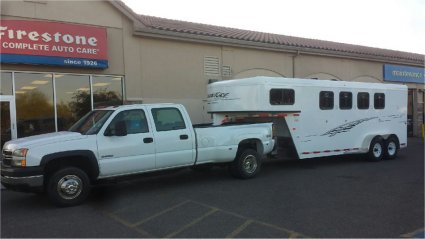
<point x="60" y="59"/>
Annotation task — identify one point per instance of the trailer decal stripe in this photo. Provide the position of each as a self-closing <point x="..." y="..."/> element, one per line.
<point x="346" y="127"/>
<point x="330" y="151"/>
<point x="264" y="115"/>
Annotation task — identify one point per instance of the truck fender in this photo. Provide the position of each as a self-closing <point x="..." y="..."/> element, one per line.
<point x="74" y="153"/>
<point x="253" y="143"/>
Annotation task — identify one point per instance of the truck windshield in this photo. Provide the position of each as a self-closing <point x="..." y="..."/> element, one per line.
<point x="92" y="122"/>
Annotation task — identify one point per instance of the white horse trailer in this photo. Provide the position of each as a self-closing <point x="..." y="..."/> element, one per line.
<point x="316" y="118"/>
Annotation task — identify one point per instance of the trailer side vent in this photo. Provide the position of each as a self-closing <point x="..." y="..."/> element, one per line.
<point x="211" y="66"/>
<point x="226" y="71"/>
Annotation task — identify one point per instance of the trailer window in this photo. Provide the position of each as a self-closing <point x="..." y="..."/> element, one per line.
<point x="363" y="100"/>
<point x="345" y="100"/>
<point x="379" y="100"/>
<point x="282" y="96"/>
<point x="326" y="100"/>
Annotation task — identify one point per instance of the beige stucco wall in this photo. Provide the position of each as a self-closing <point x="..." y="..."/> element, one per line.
<point x="174" y="72"/>
<point x="247" y="62"/>
<point x="307" y="66"/>
<point x="84" y="12"/>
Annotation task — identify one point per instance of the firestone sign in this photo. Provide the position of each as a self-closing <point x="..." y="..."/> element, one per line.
<point x="51" y="43"/>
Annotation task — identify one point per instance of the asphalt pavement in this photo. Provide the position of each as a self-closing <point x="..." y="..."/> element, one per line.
<point x="327" y="197"/>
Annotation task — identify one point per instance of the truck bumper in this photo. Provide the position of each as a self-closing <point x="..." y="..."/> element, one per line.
<point x="28" y="179"/>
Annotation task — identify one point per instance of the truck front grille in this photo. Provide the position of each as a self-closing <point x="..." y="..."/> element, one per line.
<point x="7" y="157"/>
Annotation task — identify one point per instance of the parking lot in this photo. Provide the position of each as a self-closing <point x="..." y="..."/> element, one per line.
<point x="329" y="197"/>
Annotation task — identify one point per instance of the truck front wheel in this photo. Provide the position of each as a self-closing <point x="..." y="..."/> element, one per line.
<point x="246" y="165"/>
<point x="68" y="187"/>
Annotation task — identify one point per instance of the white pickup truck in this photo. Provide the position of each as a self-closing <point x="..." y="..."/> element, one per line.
<point x="126" y="140"/>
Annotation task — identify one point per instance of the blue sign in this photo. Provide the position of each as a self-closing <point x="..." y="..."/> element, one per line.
<point x="53" y="60"/>
<point x="406" y="74"/>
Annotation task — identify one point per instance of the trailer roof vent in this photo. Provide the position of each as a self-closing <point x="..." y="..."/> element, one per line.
<point x="211" y="66"/>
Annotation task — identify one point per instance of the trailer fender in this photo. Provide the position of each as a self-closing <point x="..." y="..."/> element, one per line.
<point x="366" y="142"/>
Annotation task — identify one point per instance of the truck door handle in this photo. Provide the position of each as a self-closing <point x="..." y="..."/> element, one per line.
<point x="184" y="137"/>
<point x="147" y="140"/>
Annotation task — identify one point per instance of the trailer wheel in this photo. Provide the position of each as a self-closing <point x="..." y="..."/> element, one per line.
<point x="68" y="187"/>
<point x="391" y="147"/>
<point x="376" y="149"/>
<point x="246" y="164"/>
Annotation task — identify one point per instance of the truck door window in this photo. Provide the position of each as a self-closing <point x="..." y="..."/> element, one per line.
<point x="135" y="121"/>
<point x="282" y="96"/>
<point x="379" y="100"/>
<point x="363" y="100"/>
<point x="326" y="100"/>
<point x="168" y="119"/>
<point x="345" y="100"/>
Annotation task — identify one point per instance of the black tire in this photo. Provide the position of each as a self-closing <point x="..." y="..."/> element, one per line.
<point x="246" y="164"/>
<point x="391" y="147"/>
<point x="75" y="187"/>
<point x="376" y="149"/>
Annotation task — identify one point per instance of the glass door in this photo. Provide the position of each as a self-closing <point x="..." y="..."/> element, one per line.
<point x="8" y="119"/>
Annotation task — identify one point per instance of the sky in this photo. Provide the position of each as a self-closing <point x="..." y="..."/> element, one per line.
<point x="390" y="24"/>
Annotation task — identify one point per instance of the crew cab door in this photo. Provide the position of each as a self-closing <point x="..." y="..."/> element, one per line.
<point x="173" y="138"/>
<point x="126" y="152"/>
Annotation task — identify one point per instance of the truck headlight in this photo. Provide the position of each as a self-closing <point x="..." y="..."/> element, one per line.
<point x="19" y="157"/>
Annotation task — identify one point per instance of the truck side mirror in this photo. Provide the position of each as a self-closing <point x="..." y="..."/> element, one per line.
<point x="120" y="128"/>
<point x="108" y="132"/>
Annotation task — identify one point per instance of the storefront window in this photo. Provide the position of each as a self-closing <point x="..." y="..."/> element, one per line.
<point x="6" y="83"/>
<point x="34" y="104"/>
<point x="46" y="102"/>
<point x="73" y="99"/>
<point x="107" y="91"/>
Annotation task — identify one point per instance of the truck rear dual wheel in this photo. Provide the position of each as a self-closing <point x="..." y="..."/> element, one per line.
<point x="68" y="187"/>
<point x="246" y="164"/>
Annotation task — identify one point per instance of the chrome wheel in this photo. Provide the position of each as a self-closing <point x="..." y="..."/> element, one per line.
<point x="246" y="165"/>
<point x="377" y="150"/>
<point x="391" y="148"/>
<point x="249" y="164"/>
<point x="70" y="187"/>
